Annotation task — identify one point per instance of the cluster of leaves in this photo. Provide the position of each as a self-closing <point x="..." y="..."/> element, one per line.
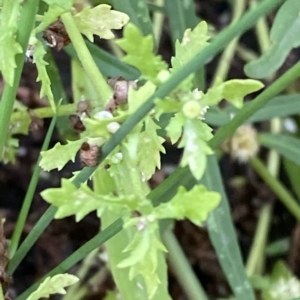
<point x="136" y="160"/>
<point x="99" y="20"/>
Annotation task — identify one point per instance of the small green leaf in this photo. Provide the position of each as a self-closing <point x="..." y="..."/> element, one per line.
<point x="194" y="205"/>
<point x="233" y="91"/>
<point x="194" y="141"/>
<point x="38" y="56"/>
<point x="100" y="20"/>
<point x="10" y="150"/>
<point x="193" y="41"/>
<point x="284" y="36"/>
<point x="10" y="14"/>
<point x="143" y="257"/>
<point x="10" y="48"/>
<point x="287" y="146"/>
<point x="53" y="285"/>
<point x="80" y="202"/>
<point x="149" y="149"/>
<point x="175" y="127"/>
<point x="59" y="155"/>
<point x="141" y="57"/>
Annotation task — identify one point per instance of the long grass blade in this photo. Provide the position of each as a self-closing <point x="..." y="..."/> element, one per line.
<point x="222" y="234"/>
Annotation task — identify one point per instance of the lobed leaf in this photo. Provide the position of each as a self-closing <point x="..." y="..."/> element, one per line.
<point x="175" y="127"/>
<point x="141" y="57"/>
<point x="80" y="202"/>
<point x="38" y="56"/>
<point x="149" y="149"/>
<point x="10" y="48"/>
<point x="53" y="285"/>
<point x="99" y="20"/>
<point x="192" y="42"/>
<point x="59" y="155"/>
<point x="143" y="257"/>
<point x="194" y="141"/>
<point x="233" y="91"/>
<point x="194" y="205"/>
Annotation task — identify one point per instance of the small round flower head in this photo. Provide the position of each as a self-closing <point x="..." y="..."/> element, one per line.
<point x="243" y="144"/>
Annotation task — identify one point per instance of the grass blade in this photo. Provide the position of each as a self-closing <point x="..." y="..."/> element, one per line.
<point x="223" y="236"/>
<point x="285" y="145"/>
<point x="29" y="195"/>
<point x="108" y="64"/>
<point x="181" y="15"/>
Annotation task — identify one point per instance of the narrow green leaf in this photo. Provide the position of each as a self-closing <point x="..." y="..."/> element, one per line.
<point x="284" y="35"/>
<point x="53" y="285"/>
<point x="280" y="106"/>
<point x="285" y="145"/>
<point x="223" y="236"/>
<point x="108" y="64"/>
<point x="181" y="15"/>
<point x="38" y="54"/>
<point x="293" y="171"/>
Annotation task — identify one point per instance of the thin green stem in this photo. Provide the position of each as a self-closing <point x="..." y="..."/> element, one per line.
<point x="246" y="54"/>
<point x="262" y="31"/>
<point x="282" y="193"/>
<point x="158" y="19"/>
<point x="29" y="195"/>
<point x="182" y="268"/>
<point x="228" y="54"/>
<point x="260" y="240"/>
<point x="86" y="59"/>
<point x="45" y="112"/>
<point x="26" y="23"/>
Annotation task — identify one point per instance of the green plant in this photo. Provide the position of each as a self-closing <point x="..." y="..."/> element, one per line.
<point x="121" y="134"/>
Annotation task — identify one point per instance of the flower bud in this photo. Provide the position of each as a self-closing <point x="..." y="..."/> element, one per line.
<point x="113" y="127"/>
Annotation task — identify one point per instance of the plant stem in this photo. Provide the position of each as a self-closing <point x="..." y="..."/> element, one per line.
<point x="26" y="23"/>
<point x="228" y="54"/>
<point x="182" y="268"/>
<point x="262" y="31"/>
<point x="1" y="293"/>
<point x="260" y="239"/>
<point x="29" y="195"/>
<point x="158" y="19"/>
<point x="286" y="198"/>
<point x="86" y="59"/>
<point x="45" y="112"/>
